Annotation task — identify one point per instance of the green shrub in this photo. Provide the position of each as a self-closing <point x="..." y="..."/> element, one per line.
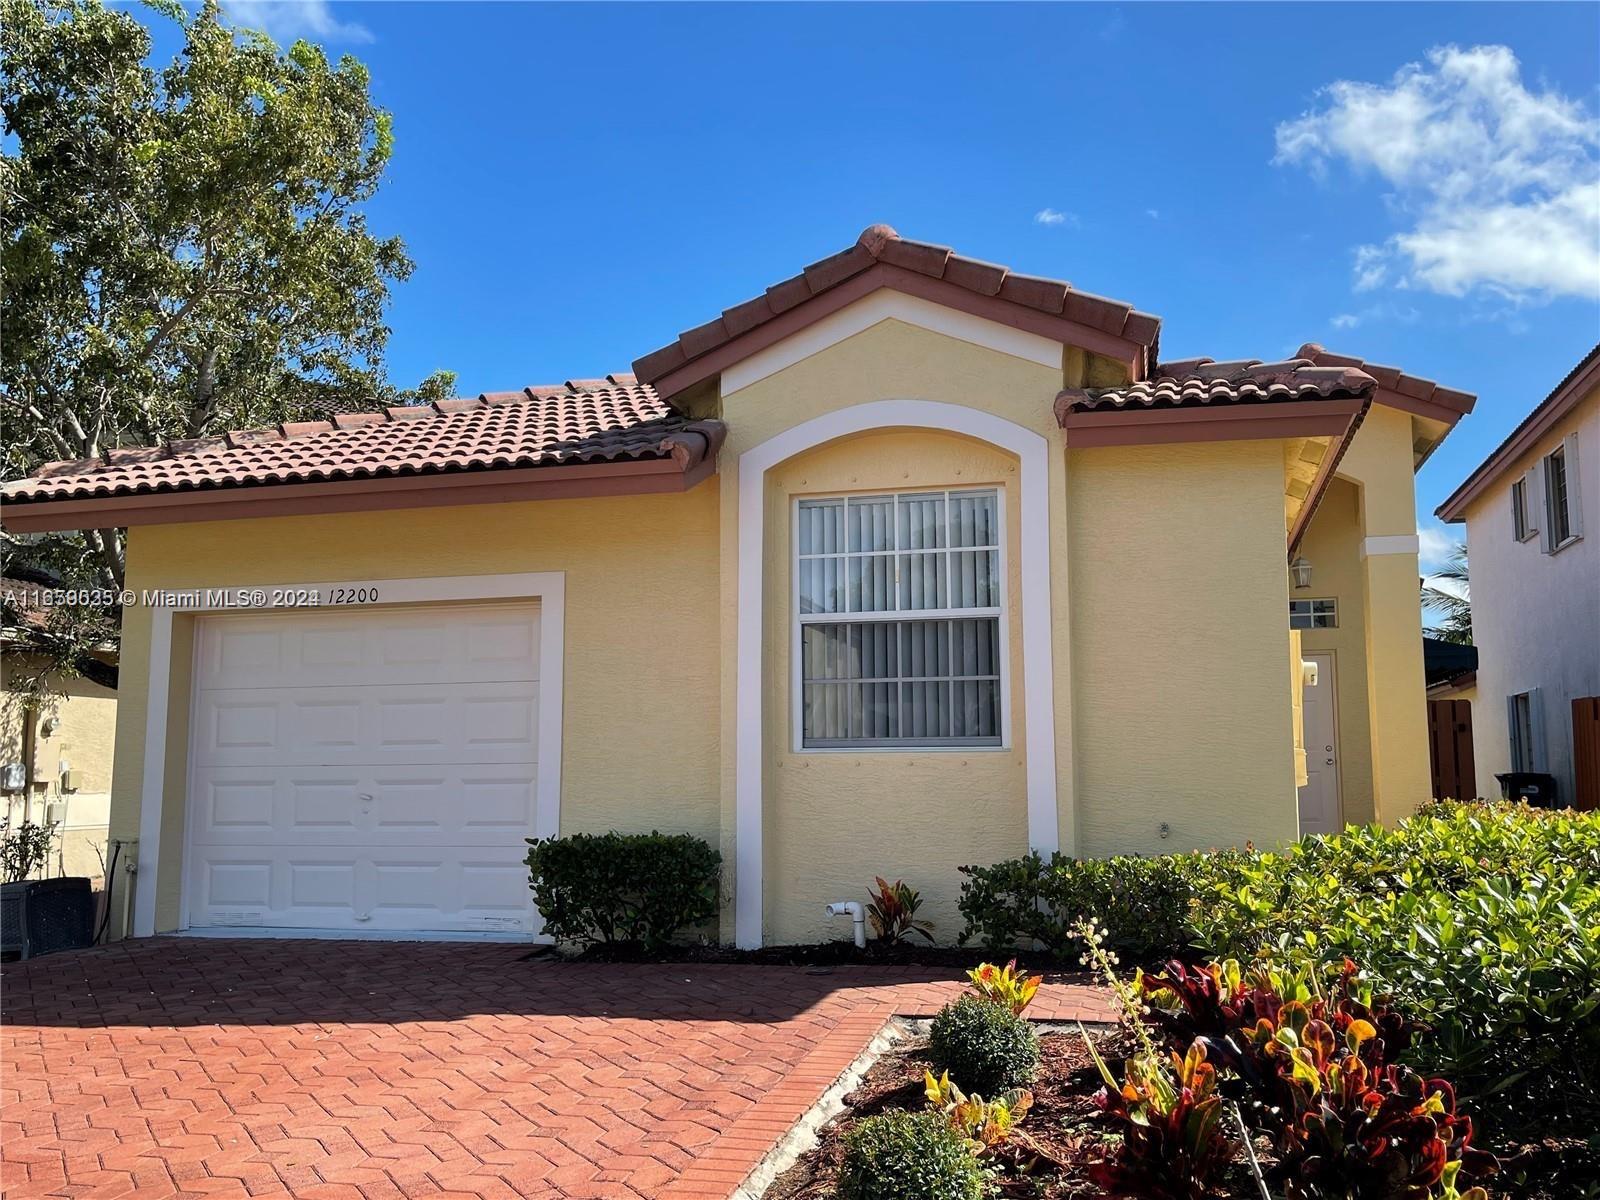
<point x="1482" y="920"/>
<point x="1143" y="902"/>
<point x="909" y="1156"/>
<point x="985" y="1046"/>
<point x="622" y="888"/>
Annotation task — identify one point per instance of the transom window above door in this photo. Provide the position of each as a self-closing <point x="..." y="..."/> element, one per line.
<point x="898" y="602"/>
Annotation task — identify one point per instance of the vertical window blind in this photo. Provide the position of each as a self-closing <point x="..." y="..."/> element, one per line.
<point x="898" y="600"/>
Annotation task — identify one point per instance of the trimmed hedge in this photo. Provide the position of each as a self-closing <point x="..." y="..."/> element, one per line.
<point x="909" y="1156"/>
<point x="641" y="888"/>
<point x="985" y="1046"/>
<point x="1143" y="902"/>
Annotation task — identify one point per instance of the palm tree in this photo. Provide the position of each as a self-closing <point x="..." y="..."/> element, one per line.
<point x="1453" y="604"/>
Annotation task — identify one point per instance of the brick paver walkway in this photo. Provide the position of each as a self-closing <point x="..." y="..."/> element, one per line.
<point x="371" y="1070"/>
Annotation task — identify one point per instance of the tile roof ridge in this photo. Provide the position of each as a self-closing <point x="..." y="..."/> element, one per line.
<point x="883" y="244"/>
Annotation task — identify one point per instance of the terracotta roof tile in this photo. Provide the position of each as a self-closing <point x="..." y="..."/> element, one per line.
<point x="1201" y="381"/>
<point x="1394" y="379"/>
<point x="581" y="421"/>
<point x="881" y="244"/>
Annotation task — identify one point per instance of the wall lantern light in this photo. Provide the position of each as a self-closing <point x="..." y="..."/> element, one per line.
<point x="1300" y="568"/>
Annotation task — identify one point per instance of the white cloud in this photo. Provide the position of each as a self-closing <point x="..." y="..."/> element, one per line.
<point x="1153" y="213"/>
<point x="1370" y="268"/>
<point x="1498" y="186"/>
<point x="1346" y="321"/>
<point x="1054" y="216"/>
<point x="286" y="20"/>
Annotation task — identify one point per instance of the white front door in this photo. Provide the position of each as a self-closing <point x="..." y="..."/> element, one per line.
<point x="1319" y="800"/>
<point x="369" y="770"/>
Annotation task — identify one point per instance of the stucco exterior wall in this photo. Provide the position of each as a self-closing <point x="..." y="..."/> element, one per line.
<point x="1380" y="462"/>
<point x="837" y="819"/>
<point x="974" y="803"/>
<point x="1332" y="544"/>
<point x="1536" y="616"/>
<point x="641" y="702"/>
<point x="86" y="738"/>
<point x="1180" y="635"/>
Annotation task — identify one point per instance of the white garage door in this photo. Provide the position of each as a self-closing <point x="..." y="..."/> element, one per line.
<point x="368" y="770"/>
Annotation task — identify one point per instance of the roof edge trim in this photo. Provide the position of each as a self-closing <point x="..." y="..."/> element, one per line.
<point x="688" y="461"/>
<point x="1561" y="400"/>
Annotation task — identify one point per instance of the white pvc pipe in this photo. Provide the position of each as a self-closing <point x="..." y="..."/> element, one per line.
<point x="858" y="919"/>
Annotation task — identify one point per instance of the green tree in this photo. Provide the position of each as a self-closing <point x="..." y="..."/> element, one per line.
<point x="185" y="250"/>
<point x="1453" y="604"/>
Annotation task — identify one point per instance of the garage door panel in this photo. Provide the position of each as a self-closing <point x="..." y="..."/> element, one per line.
<point x="365" y="769"/>
<point x="479" y="804"/>
<point x="411" y="723"/>
<point x="452" y="644"/>
<point x="448" y="888"/>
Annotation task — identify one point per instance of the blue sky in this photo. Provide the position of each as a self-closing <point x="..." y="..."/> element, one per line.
<point x="1414" y="184"/>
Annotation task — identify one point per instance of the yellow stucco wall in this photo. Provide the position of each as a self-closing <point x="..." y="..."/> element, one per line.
<point x="1380" y="462"/>
<point x="834" y="819"/>
<point x="852" y="833"/>
<point x="1180" y="636"/>
<point x="86" y="738"/>
<point x="640" y="715"/>
<point x="1332" y="545"/>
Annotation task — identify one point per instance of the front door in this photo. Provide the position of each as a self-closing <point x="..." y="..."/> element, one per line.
<point x="1319" y="799"/>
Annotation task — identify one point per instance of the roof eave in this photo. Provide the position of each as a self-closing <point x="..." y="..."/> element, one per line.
<point x="1579" y="382"/>
<point x="678" y="471"/>
<point x="1134" y="426"/>
<point x="675" y="380"/>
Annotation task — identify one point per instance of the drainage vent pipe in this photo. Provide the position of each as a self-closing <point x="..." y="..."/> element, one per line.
<point x="858" y="919"/>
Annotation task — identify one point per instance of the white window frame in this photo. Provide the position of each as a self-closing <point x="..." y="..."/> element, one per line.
<point x="798" y="621"/>
<point x="1522" y="527"/>
<point x="1311" y="614"/>
<point x="1572" y="510"/>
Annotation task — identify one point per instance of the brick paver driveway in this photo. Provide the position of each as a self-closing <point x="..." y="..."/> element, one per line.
<point x="371" y="1070"/>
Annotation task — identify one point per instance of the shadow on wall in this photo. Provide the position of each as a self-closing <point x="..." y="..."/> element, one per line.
<point x="180" y="982"/>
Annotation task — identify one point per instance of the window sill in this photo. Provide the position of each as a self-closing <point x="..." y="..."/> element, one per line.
<point x="1573" y="540"/>
<point x="881" y="751"/>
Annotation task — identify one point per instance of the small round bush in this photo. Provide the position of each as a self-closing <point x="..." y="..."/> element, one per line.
<point x="985" y="1046"/>
<point x="909" y="1156"/>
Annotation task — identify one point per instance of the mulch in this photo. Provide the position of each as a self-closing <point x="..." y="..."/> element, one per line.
<point x="1047" y="1160"/>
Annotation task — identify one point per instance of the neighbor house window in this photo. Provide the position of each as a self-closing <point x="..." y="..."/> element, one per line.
<point x="1527" y="741"/>
<point x="1519" y="511"/>
<point x="1313" y="614"/>
<point x="898" y="600"/>
<point x="1557" y="499"/>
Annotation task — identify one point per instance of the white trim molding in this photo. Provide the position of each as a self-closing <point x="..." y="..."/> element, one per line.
<point x="1038" y="674"/>
<point x="883" y="305"/>
<point x="547" y="587"/>
<point x="1390" y="543"/>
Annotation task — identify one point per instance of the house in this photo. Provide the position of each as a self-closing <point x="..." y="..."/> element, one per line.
<point x="57" y="732"/>
<point x="908" y="563"/>
<point x="1536" y="592"/>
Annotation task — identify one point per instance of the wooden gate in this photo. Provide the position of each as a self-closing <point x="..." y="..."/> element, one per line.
<point x="1586" y="752"/>
<point x="1450" y="750"/>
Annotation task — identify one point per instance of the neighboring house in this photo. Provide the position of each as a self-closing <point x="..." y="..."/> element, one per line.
<point x="908" y="563"/>
<point x="56" y="756"/>
<point x="1532" y="511"/>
